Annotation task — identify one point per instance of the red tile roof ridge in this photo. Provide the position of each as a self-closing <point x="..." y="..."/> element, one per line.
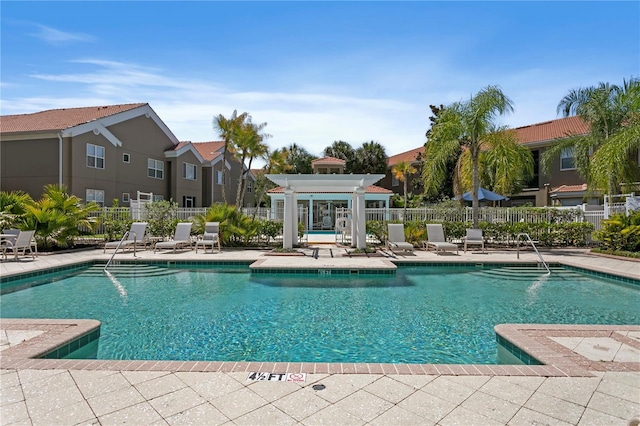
<point x="60" y="118"/>
<point x="570" y="188"/>
<point x="329" y="160"/>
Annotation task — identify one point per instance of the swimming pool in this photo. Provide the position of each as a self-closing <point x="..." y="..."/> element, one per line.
<point x="423" y="314"/>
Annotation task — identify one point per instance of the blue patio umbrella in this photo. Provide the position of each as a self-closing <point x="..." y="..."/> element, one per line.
<point x="483" y="195"/>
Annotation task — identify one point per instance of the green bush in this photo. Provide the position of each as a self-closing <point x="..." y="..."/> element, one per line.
<point x="620" y="232"/>
<point x="161" y="217"/>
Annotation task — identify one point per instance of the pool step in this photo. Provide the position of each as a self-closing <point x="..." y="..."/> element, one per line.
<point x="130" y="270"/>
<point x="526" y="273"/>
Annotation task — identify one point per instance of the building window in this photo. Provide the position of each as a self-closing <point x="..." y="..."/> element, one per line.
<point x="126" y="158"/>
<point x="188" y="202"/>
<point x="189" y="171"/>
<point x="249" y="185"/>
<point x="567" y="159"/>
<point x="158" y="197"/>
<point x="219" y="177"/>
<point x="95" y="156"/>
<point x="395" y="181"/>
<point x="126" y="197"/>
<point x="534" y="182"/>
<point x="155" y="169"/>
<point x="95" y="195"/>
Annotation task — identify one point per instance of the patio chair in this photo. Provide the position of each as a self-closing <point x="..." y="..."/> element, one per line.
<point x="23" y="242"/>
<point x="327" y="223"/>
<point x="473" y="237"/>
<point x="396" y="239"/>
<point x="211" y="237"/>
<point x="181" y="238"/>
<point x="436" y="241"/>
<point x="136" y="236"/>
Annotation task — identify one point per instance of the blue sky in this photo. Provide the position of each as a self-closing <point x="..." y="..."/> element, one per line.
<point x="316" y="72"/>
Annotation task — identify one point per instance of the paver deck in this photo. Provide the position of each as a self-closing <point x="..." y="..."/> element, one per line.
<point x="591" y="376"/>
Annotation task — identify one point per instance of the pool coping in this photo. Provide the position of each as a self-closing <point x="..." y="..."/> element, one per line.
<point x="558" y="361"/>
<point x="564" y="363"/>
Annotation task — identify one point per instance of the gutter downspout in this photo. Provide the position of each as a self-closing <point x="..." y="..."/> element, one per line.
<point x="60" y="158"/>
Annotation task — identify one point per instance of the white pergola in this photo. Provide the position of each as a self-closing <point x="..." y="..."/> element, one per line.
<point x="356" y="184"/>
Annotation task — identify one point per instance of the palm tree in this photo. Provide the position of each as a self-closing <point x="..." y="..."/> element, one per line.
<point x="299" y="159"/>
<point x="258" y="149"/>
<point x="57" y="216"/>
<point x="227" y="127"/>
<point x="344" y="151"/>
<point x="504" y="165"/>
<point x="402" y="171"/>
<point x="248" y="145"/>
<point x="371" y="157"/>
<point x="467" y="125"/>
<point x="276" y="162"/>
<point x="607" y="156"/>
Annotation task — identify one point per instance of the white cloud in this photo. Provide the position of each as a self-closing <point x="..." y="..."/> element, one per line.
<point x="56" y="37"/>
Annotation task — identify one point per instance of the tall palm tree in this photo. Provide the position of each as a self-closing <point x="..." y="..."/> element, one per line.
<point x="344" y="151"/>
<point x="607" y="156"/>
<point x="504" y="165"/>
<point x="402" y="171"/>
<point x="299" y="159"/>
<point x="227" y="128"/>
<point x="276" y="162"/>
<point x="371" y="157"/>
<point x="467" y="125"/>
<point x="250" y="145"/>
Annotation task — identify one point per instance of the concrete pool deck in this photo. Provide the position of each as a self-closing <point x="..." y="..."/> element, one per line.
<point x="591" y="376"/>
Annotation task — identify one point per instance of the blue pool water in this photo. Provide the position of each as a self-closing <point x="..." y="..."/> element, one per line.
<point x="420" y="315"/>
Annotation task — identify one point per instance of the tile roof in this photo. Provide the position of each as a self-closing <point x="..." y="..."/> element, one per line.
<point x="569" y="188"/>
<point x="209" y="150"/>
<point x="328" y="160"/>
<point x="410" y="156"/>
<point x="59" y="119"/>
<point x="373" y="189"/>
<point x="550" y="130"/>
<point x="533" y="133"/>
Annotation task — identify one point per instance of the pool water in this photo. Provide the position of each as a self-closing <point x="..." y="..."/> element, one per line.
<point x="420" y="315"/>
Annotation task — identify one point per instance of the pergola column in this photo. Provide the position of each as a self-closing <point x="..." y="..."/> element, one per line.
<point x="359" y="219"/>
<point x="290" y="229"/>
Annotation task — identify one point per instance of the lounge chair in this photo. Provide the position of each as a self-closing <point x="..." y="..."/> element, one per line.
<point x="327" y="223"/>
<point x="436" y="241"/>
<point x="135" y="237"/>
<point x="396" y="239"/>
<point x="210" y="237"/>
<point x="23" y="242"/>
<point x="474" y="237"/>
<point x="181" y="238"/>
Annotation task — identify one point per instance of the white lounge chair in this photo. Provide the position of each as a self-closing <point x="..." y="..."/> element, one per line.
<point x="181" y="238"/>
<point x="211" y="237"/>
<point x="396" y="239"/>
<point x="327" y="223"/>
<point x="436" y="241"/>
<point x="22" y="243"/>
<point x="474" y="237"/>
<point x="135" y="237"/>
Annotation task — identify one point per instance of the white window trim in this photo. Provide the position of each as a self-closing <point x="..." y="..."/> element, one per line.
<point x="95" y="196"/>
<point x="126" y="197"/>
<point x="191" y="199"/>
<point x="185" y="167"/>
<point x="564" y="155"/>
<point x="95" y="156"/>
<point x="127" y="156"/>
<point x="220" y="177"/>
<point x="155" y="168"/>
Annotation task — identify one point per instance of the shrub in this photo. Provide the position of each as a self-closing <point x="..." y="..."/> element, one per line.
<point x="161" y="217"/>
<point x="620" y="232"/>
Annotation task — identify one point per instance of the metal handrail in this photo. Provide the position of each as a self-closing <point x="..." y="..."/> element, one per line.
<point x="126" y="235"/>
<point x="534" y="247"/>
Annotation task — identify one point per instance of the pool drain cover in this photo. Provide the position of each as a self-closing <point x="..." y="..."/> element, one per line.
<point x="318" y="387"/>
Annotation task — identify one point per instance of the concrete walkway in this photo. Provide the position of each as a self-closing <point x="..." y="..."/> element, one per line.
<point x="605" y="389"/>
